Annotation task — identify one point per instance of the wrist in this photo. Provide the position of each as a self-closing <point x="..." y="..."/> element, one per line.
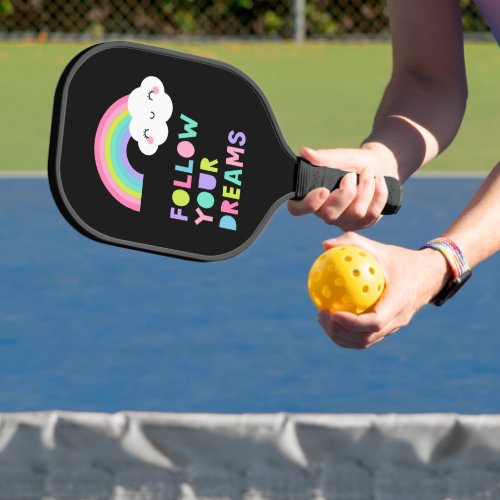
<point x="437" y="272"/>
<point x="457" y="264"/>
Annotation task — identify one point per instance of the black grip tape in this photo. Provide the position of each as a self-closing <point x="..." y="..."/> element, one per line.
<point x="310" y="177"/>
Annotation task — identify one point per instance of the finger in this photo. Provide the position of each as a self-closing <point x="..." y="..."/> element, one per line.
<point x="353" y="219"/>
<point x="348" y="238"/>
<point x="324" y="318"/>
<point x="365" y="191"/>
<point x="338" y="201"/>
<point x="362" y="324"/>
<point x="349" y="338"/>
<point x="385" y="317"/>
<point x="394" y="310"/>
<point x="358" y="225"/>
<point x="393" y="332"/>
<point x="372" y="343"/>
<point x="344" y="344"/>
<point x="310" y="155"/>
<point x="362" y="340"/>
<point x="341" y="340"/>
<point x="338" y="334"/>
<point x="358" y="337"/>
<point x="311" y="203"/>
<point x="353" y="341"/>
<point x="376" y="338"/>
<point x="338" y="157"/>
<point x="380" y="195"/>
<point x="357" y="340"/>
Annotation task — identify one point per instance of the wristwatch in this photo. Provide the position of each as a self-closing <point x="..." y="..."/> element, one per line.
<point x="460" y="270"/>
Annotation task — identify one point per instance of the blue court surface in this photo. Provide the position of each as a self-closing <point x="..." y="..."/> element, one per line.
<point x="90" y="327"/>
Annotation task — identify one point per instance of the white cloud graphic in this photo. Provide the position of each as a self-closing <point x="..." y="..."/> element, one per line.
<point x="150" y="108"/>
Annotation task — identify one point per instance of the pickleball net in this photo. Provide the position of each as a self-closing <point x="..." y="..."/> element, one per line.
<point x="159" y="456"/>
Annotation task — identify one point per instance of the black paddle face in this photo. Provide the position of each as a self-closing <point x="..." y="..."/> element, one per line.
<point x="164" y="152"/>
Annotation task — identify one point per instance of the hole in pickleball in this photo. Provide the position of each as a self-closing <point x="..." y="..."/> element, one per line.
<point x="339" y="281"/>
<point x="317" y="276"/>
<point x="362" y="254"/>
<point x="372" y="270"/>
<point x="346" y="299"/>
<point x="348" y="258"/>
<point x="360" y="309"/>
<point x="326" y="292"/>
<point x="356" y="273"/>
<point x="379" y="288"/>
<point x="317" y="300"/>
<point x="366" y="289"/>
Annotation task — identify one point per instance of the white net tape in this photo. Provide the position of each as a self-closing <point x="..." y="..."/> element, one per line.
<point x="160" y="456"/>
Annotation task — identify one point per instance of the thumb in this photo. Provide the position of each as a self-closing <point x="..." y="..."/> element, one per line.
<point x="349" y="238"/>
<point x="340" y="157"/>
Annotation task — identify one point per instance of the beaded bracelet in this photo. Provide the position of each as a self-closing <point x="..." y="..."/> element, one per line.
<point x="452" y="254"/>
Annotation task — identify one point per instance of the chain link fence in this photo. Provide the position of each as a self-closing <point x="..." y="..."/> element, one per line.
<point x="284" y="19"/>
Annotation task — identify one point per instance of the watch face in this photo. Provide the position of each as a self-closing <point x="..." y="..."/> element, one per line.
<point x="160" y="151"/>
<point x="451" y="288"/>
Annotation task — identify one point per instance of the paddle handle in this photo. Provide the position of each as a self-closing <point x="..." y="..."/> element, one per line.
<point x="309" y="177"/>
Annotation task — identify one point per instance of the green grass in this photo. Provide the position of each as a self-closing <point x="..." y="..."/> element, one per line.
<point x="323" y="94"/>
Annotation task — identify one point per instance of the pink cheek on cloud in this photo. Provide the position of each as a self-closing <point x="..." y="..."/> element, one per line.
<point x="150" y="140"/>
<point x="156" y="90"/>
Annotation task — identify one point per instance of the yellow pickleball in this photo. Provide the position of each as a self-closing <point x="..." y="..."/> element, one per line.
<point x="346" y="278"/>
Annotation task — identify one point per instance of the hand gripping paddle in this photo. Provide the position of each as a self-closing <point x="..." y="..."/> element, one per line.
<point x="171" y="153"/>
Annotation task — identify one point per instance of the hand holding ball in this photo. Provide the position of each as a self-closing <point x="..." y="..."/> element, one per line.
<point x="346" y="278"/>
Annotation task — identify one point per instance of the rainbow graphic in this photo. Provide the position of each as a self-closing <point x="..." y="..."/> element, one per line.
<point x="110" y="152"/>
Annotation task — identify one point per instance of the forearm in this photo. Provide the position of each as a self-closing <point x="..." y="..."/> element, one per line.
<point x="424" y="103"/>
<point x="416" y="120"/>
<point x="477" y="230"/>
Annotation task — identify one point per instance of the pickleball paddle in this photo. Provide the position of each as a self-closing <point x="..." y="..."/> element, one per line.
<point x="172" y="153"/>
